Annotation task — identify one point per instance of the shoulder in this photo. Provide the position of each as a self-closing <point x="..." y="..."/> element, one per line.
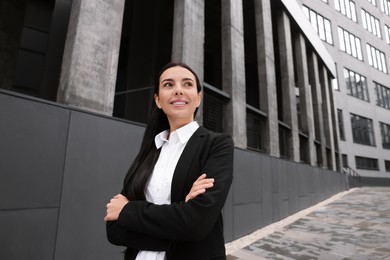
<point x="213" y="137"/>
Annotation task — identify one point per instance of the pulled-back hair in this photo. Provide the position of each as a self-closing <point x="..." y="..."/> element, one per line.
<point x="142" y="167"/>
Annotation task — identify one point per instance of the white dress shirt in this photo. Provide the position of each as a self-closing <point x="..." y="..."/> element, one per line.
<point x="158" y="189"/>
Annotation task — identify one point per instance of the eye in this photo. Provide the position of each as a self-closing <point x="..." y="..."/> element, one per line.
<point x="188" y="84"/>
<point x="167" y="84"/>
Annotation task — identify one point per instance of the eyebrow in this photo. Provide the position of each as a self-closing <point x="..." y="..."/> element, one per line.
<point x="169" y="79"/>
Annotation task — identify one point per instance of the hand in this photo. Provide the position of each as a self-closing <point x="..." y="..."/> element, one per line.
<point x="200" y="186"/>
<point x="115" y="206"/>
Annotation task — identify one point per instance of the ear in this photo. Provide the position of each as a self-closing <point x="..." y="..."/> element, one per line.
<point x="157" y="101"/>
<point x="200" y="95"/>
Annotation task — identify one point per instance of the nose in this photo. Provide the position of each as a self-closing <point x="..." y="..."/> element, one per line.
<point x="178" y="91"/>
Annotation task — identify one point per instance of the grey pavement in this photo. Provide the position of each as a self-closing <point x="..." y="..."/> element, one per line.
<point x="355" y="226"/>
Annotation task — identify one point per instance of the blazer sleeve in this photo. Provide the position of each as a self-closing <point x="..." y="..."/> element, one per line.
<point x="194" y="219"/>
<point x="118" y="236"/>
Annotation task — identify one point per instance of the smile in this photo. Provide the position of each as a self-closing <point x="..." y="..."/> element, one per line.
<point x="179" y="103"/>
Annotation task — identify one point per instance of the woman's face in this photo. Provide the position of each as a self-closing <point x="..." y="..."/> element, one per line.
<point x="178" y="96"/>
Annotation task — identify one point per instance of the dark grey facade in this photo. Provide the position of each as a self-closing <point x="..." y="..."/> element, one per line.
<point x="59" y="166"/>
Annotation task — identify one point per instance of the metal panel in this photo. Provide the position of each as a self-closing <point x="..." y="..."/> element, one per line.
<point x="292" y="187"/>
<point x="98" y="156"/>
<point x="266" y="180"/>
<point x="275" y="177"/>
<point x="247" y="179"/>
<point x="246" y="219"/>
<point x="33" y="140"/>
<point x="283" y="187"/>
<point x="228" y="212"/>
<point x="28" y="234"/>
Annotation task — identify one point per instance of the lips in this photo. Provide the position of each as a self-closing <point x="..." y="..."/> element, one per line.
<point x="179" y="102"/>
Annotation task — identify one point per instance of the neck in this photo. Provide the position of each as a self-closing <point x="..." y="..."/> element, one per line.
<point x="176" y="124"/>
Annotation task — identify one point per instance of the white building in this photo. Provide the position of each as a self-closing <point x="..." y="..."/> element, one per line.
<point x="357" y="34"/>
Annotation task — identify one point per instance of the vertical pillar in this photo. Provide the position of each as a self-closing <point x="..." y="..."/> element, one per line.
<point x="288" y="83"/>
<point x="233" y="66"/>
<point x="188" y="34"/>
<point x="91" y="53"/>
<point x="327" y="112"/>
<point x="307" y="118"/>
<point x="337" y="152"/>
<point x="188" y="37"/>
<point x="317" y="104"/>
<point x="267" y="77"/>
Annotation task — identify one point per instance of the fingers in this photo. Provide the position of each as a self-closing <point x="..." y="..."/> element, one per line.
<point x="200" y="186"/>
<point x="203" y="184"/>
<point x="201" y="177"/>
<point x="115" y="206"/>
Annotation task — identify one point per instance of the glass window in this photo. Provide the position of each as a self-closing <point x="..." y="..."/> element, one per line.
<point x="362" y="130"/>
<point x="356" y="85"/>
<point x="350" y="44"/>
<point x="387" y="34"/>
<point x="376" y="58"/>
<point x="366" y="163"/>
<point x="347" y="8"/>
<point x="383" y="96"/>
<point x="385" y="6"/>
<point x="341" y="124"/>
<point x="387" y="165"/>
<point x="385" y="133"/>
<point x="373" y="2"/>
<point x="320" y="24"/>
<point x="371" y="23"/>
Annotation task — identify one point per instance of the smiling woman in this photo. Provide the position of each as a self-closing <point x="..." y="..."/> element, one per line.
<point x="168" y="209"/>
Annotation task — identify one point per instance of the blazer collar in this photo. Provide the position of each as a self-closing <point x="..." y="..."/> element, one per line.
<point x="183" y="165"/>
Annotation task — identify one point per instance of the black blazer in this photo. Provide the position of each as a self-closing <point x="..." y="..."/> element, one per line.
<point x="185" y="230"/>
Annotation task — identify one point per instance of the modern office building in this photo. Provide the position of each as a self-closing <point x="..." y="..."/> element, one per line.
<point x="76" y="80"/>
<point x="257" y="67"/>
<point x="357" y="35"/>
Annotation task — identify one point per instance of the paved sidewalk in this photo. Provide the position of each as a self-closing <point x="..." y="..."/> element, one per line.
<point x="355" y="226"/>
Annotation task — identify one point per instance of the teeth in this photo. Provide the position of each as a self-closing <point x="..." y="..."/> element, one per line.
<point x="179" y="103"/>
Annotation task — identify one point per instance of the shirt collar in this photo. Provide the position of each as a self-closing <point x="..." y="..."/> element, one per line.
<point x="183" y="134"/>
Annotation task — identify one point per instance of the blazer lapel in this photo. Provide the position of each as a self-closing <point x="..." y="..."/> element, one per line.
<point x="183" y="165"/>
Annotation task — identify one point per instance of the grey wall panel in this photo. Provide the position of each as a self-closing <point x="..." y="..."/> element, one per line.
<point x="247" y="182"/>
<point x="28" y="234"/>
<point x="247" y="218"/>
<point x="316" y="183"/>
<point x="33" y="140"/>
<point x="276" y="199"/>
<point x="228" y="213"/>
<point x="304" y="182"/>
<point x="303" y="186"/>
<point x="98" y="156"/>
<point x="266" y="189"/>
<point x="283" y="189"/>
<point x="292" y="186"/>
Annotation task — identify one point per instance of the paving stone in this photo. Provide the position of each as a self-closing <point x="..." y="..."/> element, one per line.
<point x="356" y="226"/>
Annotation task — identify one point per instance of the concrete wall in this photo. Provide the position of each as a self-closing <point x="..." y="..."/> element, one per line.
<point x="59" y="166"/>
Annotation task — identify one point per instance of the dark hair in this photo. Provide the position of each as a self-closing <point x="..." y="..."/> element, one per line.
<point x="142" y="167"/>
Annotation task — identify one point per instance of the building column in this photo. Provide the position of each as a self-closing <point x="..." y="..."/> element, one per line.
<point x="336" y="138"/>
<point x="267" y="77"/>
<point x="90" y="61"/>
<point x="317" y="104"/>
<point x="233" y="66"/>
<point x="288" y="83"/>
<point x="188" y="38"/>
<point x="306" y="106"/>
<point x="327" y="112"/>
<point x="188" y="34"/>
